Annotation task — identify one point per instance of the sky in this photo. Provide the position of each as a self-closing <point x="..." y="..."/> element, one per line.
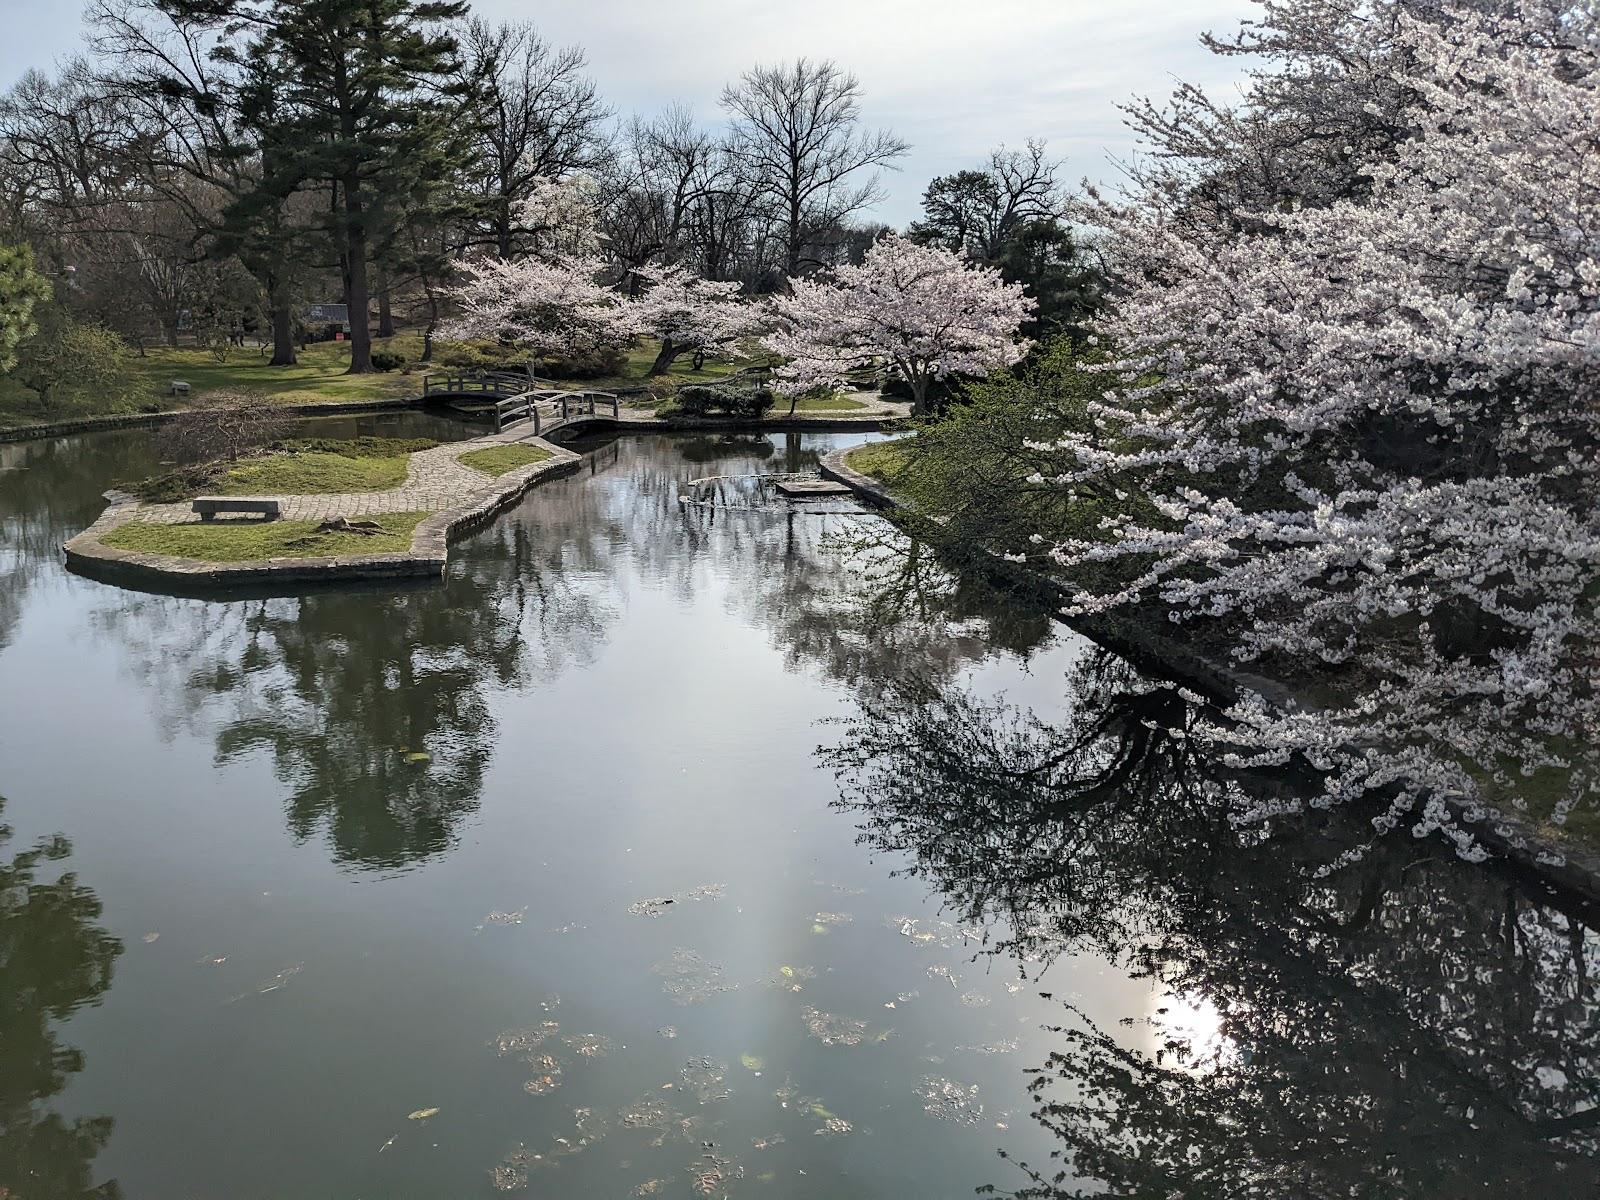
<point x="952" y="77"/>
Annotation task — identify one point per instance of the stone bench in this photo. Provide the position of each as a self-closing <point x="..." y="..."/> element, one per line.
<point x="209" y="506"/>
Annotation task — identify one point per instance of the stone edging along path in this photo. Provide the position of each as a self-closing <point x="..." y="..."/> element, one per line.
<point x="456" y="496"/>
<point x="1572" y="869"/>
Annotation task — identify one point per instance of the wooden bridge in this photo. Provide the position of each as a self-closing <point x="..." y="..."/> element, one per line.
<point x="509" y="397"/>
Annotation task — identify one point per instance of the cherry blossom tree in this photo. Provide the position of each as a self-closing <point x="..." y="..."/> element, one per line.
<point x="921" y="313"/>
<point x="555" y="309"/>
<point x="1367" y="420"/>
<point x="691" y="314"/>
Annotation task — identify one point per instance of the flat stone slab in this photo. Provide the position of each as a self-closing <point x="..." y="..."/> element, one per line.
<point x="811" y="487"/>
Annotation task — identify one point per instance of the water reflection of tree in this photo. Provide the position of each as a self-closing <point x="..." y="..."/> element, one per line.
<point x="1407" y="1026"/>
<point x="49" y="491"/>
<point x="858" y="597"/>
<point x="55" y="960"/>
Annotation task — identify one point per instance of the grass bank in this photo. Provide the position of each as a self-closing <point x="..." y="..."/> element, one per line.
<point x="883" y="461"/>
<point x="256" y="541"/>
<point x="497" y="460"/>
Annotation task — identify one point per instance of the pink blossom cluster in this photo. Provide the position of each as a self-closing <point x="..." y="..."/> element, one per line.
<point x="1366" y="410"/>
<point x="921" y="313"/>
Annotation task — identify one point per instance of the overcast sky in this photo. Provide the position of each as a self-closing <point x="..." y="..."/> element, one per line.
<point x="952" y="77"/>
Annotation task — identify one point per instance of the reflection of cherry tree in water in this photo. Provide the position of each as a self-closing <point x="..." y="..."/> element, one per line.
<point x="55" y="960"/>
<point x="1407" y="1026"/>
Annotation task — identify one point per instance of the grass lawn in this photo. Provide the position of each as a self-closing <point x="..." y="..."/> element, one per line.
<point x="321" y="467"/>
<point x="255" y="541"/>
<point x="882" y="461"/>
<point x="808" y="404"/>
<point x="497" y="460"/>
<point x="318" y="378"/>
<point x="319" y="471"/>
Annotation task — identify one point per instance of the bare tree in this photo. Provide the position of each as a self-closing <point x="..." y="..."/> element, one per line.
<point x="980" y="213"/>
<point x="231" y="424"/>
<point x="539" y="116"/>
<point x="796" y="134"/>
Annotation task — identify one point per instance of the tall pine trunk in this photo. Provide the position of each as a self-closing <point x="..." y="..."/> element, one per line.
<point x="283" y="352"/>
<point x="356" y="265"/>
<point x="385" y="307"/>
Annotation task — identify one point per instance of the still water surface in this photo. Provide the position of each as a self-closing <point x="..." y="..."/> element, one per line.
<point x="257" y="938"/>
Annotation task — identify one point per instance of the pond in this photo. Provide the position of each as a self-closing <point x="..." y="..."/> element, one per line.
<point x="691" y="851"/>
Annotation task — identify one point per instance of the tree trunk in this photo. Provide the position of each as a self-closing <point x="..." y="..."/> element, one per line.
<point x="385" y="308"/>
<point x="283" y="352"/>
<point x="356" y="264"/>
<point x="919" y="395"/>
<point x="668" y="355"/>
<point x="433" y="320"/>
<point x="502" y="228"/>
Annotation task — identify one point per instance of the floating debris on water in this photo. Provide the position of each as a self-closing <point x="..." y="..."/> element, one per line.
<point x="843" y="889"/>
<point x="422" y="1114"/>
<point x="703" y="1078"/>
<point x="657" y="905"/>
<point x="569" y="929"/>
<point x="1004" y="1046"/>
<point x="712" y="1175"/>
<point x="651" y="1187"/>
<point x="940" y="971"/>
<point x="505" y="918"/>
<point x="211" y="960"/>
<point x="150" y="937"/>
<point x="833" y="1030"/>
<point x="507" y="1178"/>
<point x="792" y="979"/>
<point x="550" y="1003"/>
<point x="688" y="978"/>
<point x="907" y="997"/>
<point x="950" y="1101"/>
<point x="668" y="1031"/>
<point x="751" y="1063"/>
<point x="1016" y="985"/>
<point x="591" y="1127"/>
<point x="590" y="1045"/>
<point x="280" y="980"/>
<point x="833" y="1127"/>
<point x="766" y="1143"/>
<point x="657" y="1113"/>
<point x="975" y="1000"/>
<point x="833" y="918"/>
<point x="921" y="932"/>
<point x="548" y="1078"/>
<point x="524" y="1041"/>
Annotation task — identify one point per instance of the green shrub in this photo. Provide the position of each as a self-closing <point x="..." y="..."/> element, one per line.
<point x="701" y="400"/>
<point x="599" y="365"/>
<point x="387" y="360"/>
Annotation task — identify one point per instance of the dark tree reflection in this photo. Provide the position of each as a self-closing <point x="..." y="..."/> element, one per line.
<point x="1407" y="1026"/>
<point x="54" y="960"/>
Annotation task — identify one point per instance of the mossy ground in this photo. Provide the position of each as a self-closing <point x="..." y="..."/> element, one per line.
<point x="497" y="460"/>
<point x="248" y="540"/>
<point x="810" y="404"/>
<point x="883" y="461"/>
<point x="324" y="466"/>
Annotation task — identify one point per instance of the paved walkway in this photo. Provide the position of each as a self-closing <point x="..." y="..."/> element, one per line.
<point x="435" y="480"/>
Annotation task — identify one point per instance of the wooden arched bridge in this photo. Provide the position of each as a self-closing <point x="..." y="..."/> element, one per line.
<point x="510" y="397"/>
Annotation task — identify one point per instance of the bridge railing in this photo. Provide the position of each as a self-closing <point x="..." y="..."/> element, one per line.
<point x="470" y="383"/>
